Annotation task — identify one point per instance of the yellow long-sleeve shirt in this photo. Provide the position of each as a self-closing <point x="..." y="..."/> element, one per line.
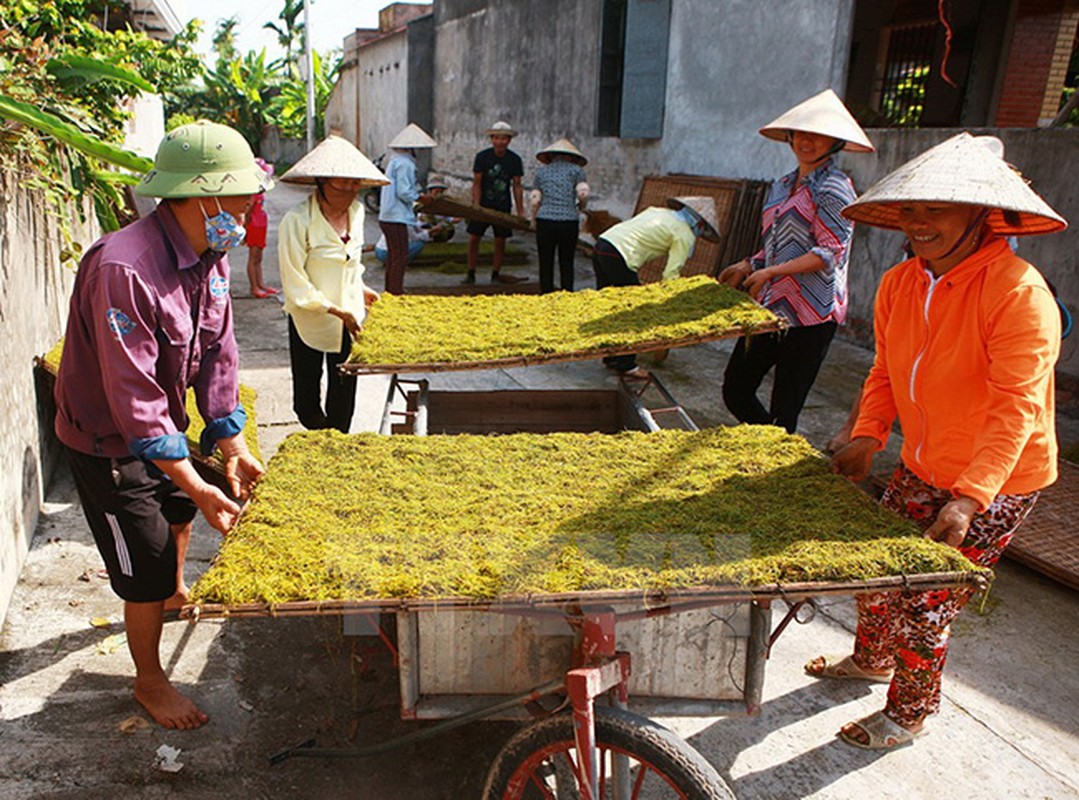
<point x="653" y="233"/>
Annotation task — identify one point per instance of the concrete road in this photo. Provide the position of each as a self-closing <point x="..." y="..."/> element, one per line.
<point x="1007" y="729"/>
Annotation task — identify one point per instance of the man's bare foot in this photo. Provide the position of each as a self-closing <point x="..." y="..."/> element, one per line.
<point x="168" y="707"/>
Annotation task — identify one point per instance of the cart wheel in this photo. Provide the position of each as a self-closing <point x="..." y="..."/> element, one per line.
<point x="539" y="762"/>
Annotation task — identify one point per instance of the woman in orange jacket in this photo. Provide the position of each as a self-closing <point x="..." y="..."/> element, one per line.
<point x="967" y="336"/>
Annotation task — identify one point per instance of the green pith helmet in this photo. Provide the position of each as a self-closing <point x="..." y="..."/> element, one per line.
<point x="203" y="159"/>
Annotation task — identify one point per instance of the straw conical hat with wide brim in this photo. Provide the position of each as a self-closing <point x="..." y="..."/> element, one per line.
<point x="335" y="157"/>
<point x="822" y="113"/>
<point x="959" y="170"/>
<point x="703" y="207"/>
<point x="562" y="147"/>
<point x="413" y="137"/>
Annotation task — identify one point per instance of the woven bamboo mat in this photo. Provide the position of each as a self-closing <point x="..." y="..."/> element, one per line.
<point x="1048" y="541"/>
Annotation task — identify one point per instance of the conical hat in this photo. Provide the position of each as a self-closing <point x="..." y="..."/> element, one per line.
<point x="958" y="170"/>
<point x="825" y="114"/>
<point x="413" y="137"/>
<point x="561" y="147"/>
<point x="335" y="157"/>
<point x="703" y="207"/>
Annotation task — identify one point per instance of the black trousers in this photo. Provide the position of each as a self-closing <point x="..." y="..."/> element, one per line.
<point x="796" y="354"/>
<point x="552" y="235"/>
<point x="306" y="365"/>
<point x="611" y="270"/>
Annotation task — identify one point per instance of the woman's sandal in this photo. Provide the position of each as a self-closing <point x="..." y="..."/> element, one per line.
<point x="843" y="667"/>
<point x="881" y="733"/>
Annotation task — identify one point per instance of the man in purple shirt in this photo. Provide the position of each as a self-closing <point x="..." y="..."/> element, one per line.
<point x="150" y="316"/>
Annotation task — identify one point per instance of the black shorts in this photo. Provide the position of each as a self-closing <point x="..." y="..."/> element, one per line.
<point x="480" y="228"/>
<point x="130" y="513"/>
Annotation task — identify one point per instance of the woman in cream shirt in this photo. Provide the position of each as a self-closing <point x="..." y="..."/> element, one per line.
<point x="318" y="247"/>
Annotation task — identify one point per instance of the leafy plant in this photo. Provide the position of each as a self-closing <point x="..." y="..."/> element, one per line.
<point x="290" y="35"/>
<point x="289" y="108"/>
<point x="64" y="82"/>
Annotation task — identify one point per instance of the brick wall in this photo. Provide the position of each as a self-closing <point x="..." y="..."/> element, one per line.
<point x="1058" y="69"/>
<point x="1041" y="45"/>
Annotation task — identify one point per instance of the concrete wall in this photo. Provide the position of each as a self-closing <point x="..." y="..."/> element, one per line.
<point x="34" y="291"/>
<point x="342" y="114"/>
<point x="383" y="91"/>
<point x="734" y="66"/>
<point x="1042" y="156"/>
<point x="535" y="65"/>
<point x="724" y="57"/>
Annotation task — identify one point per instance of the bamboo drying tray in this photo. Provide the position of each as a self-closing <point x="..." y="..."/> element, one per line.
<point x="426" y="333"/>
<point x="344" y="523"/>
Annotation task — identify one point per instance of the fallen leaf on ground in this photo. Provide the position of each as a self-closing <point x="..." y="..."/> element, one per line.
<point x="100" y="622"/>
<point x="134" y="725"/>
<point x="110" y="644"/>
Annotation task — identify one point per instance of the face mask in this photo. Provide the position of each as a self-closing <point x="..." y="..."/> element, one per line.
<point x="223" y="231"/>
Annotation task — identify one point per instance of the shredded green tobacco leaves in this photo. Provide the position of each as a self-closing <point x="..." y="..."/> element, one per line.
<point x="196" y="425"/>
<point x="366" y="516"/>
<point x="427" y="329"/>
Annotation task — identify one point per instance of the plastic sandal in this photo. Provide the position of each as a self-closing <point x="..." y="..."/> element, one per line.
<point x="882" y="733"/>
<point x="843" y="667"/>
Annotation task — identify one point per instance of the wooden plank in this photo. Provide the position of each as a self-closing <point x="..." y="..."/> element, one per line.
<point x="447" y="205"/>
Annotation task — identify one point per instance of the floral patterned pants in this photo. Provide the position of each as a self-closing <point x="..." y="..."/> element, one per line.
<point x="909" y="631"/>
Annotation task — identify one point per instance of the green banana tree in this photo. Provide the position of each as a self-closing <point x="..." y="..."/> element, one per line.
<point x="289" y="108"/>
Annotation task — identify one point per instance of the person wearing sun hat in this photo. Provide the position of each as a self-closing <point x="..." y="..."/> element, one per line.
<point x="656" y="232"/>
<point x="428" y="227"/>
<point x="396" y="213"/>
<point x="967" y="335"/>
<point x="561" y="189"/>
<point x="496" y="180"/>
<point x="800" y="273"/>
<point x="150" y="317"/>
<point x="319" y="244"/>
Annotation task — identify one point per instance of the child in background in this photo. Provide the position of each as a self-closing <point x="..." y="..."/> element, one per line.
<point x="257" y="222"/>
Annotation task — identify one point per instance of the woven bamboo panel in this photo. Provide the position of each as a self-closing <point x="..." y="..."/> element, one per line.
<point x="738" y="204"/>
<point x="1048" y="541"/>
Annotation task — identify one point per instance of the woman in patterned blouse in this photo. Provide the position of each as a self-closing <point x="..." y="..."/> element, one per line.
<point x="800" y="272"/>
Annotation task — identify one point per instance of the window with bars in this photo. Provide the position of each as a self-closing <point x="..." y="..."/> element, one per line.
<point x="904" y="74"/>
